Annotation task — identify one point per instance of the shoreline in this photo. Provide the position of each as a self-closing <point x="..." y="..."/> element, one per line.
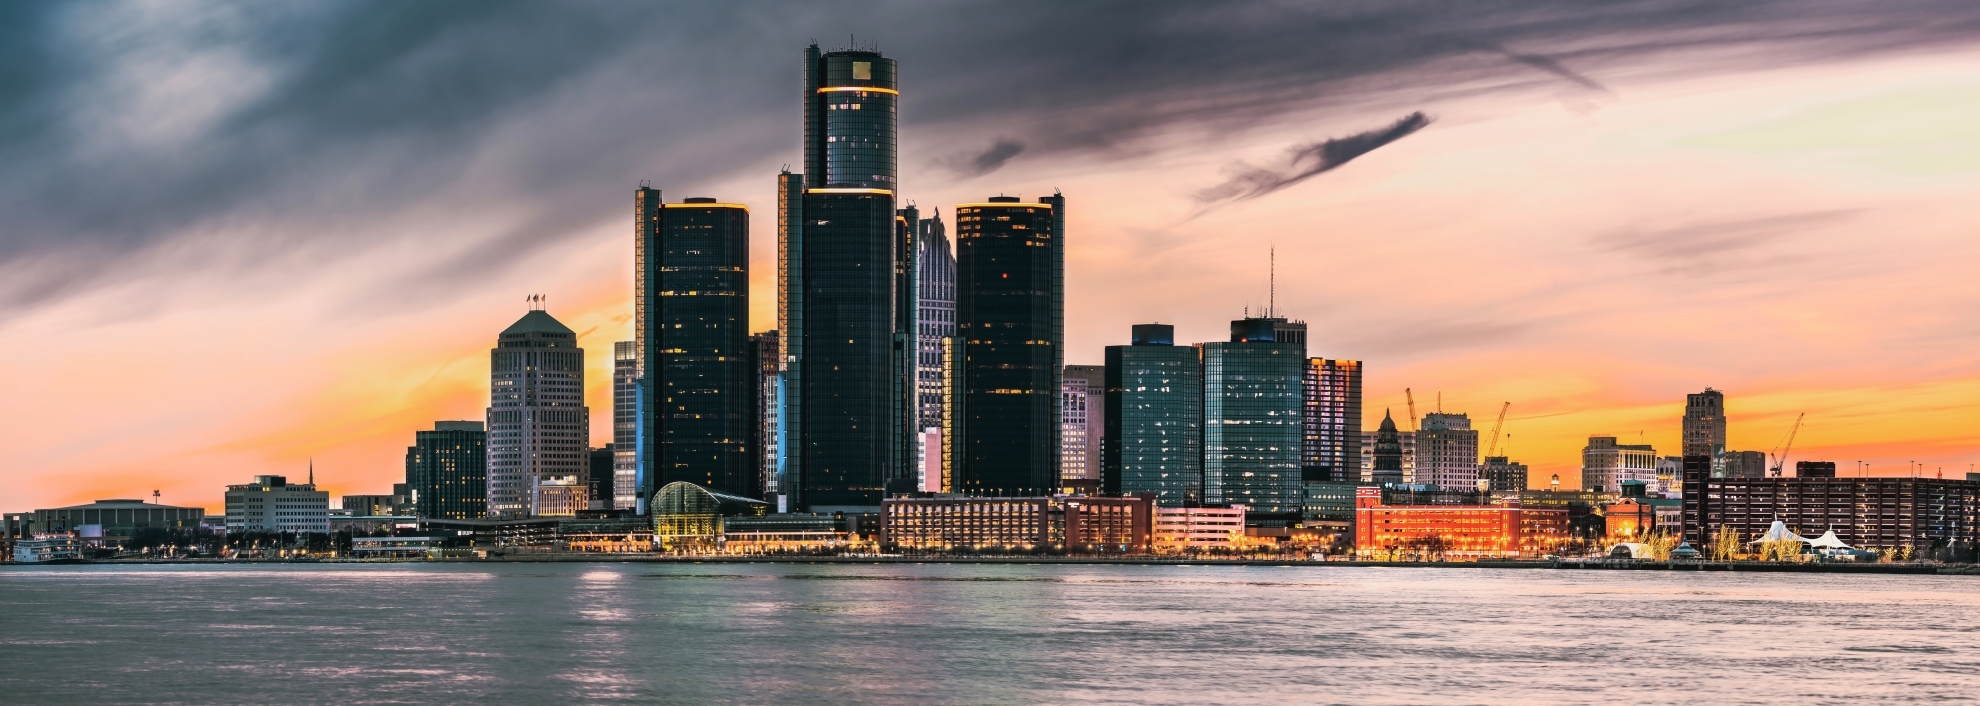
<point x="1568" y="564"/>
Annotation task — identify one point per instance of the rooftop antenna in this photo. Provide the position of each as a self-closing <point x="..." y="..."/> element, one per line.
<point x="1272" y="283"/>
<point x="312" y="470"/>
<point x="154" y="498"/>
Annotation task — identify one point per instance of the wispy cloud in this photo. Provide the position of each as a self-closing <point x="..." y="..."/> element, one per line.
<point x="1703" y="249"/>
<point x="1307" y="161"/>
<point x="986" y="161"/>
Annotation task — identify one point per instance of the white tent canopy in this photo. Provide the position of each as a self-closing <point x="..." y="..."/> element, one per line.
<point x="1778" y="532"/>
<point x="1829" y="540"/>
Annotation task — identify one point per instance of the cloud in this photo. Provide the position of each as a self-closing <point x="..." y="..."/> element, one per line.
<point x="1704" y="249"/>
<point x="987" y="161"/>
<point x="1307" y="161"/>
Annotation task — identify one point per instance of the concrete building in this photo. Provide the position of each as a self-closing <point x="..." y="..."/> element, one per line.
<point x="1471" y="530"/>
<point x="1253" y="422"/>
<point x="1670" y="475"/>
<point x="1333" y="420"/>
<point x="1743" y="464"/>
<point x="108" y="520"/>
<point x="1605" y="464"/>
<point x="959" y="523"/>
<point x="1704" y="423"/>
<point x="399" y="502"/>
<point x="273" y="504"/>
<point x="625" y="425"/>
<point x="539" y="429"/>
<point x="1501" y="473"/>
<point x="1922" y="513"/>
<point x="1153" y="439"/>
<point x="1082" y="422"/>
<point x="1388" y="455"/>
<point x="1184" y="529"/>
<point x="1447" y="452"/>
<point x="447" y="471"/>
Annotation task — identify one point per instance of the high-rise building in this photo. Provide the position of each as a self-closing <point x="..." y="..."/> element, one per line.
<point x="1386" y="453"/>
<point x="1605" y="464"/>
<point x="1704" y="422"/>
<point x="1333" y="421"/>
<point x="1153" y="434"/>
<point x="1501" y="473"/>
<point x="625" y="425"/>
<point x="538" y="427"/>
<point x="838" y="274"/>
<point x="935" y="275"/>
<point x="601" y="482"/>
<point x="769" y="432"/>
<point x="1744" y="464"/>
<point x="1447" y="452"/>
<point x="1010" y="329"/>
<point x="692" y="325"/>
<point x="447" y="471"/>
<point x="1082" y="421"/>
<point x="1254" y="423"/>
<point x="273" y="504"/>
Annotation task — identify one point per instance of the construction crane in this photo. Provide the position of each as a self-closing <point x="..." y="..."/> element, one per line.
<point x="1493" y="450"/>
<point x="1412" y="408"/>
<point x="1780" y="459"/>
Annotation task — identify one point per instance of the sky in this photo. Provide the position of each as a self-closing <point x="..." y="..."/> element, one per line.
<point x="248" y="238"/>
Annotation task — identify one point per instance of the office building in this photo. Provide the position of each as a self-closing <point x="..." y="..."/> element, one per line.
<point x="964" y="523"/>
<point x="1821" y="469"/>
<point x="1670" y="475"/>
<point x="837" y="289"/>
<point x="1868" y="513"/>
<point x="1010" y="334"/>
<point x="1744" y="464"/>
<point x="1386" y="522"/>
<point x="1253" y="423"/>
<point x="1082" y="422"/>
<point x="935" y="320"/>
<point x="1501" y="473"/>
<point x="1447" y="452"/>
<point x="273" y="504"/>
<point x="538" y="427"/>
<point x="1329" y="503"/>
<point x="600" y="482"/>
<point x="625" y="425"/>
<point x="1333" y="421"/>
<point x="1153" y="439"/>
<point x="1386" y="454"/>
<point x="692" y="328"/>
<point x="1605" y="464"/>
<point x="398" y="503"/>
<point x="447" y="472"/>
<point x="1704" y="422"/>
<point x="769" y="432"/>
<point x="1185" y="529"/>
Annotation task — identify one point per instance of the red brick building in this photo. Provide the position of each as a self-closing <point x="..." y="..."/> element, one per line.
<point x="1466" y="531"/>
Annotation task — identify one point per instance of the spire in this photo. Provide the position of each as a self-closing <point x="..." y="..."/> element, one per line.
<point x="1272" y="282"/>
<point x="312" y="470"/>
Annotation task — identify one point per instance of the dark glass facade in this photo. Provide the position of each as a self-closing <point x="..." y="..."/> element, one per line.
<point x="447" y="471"/>
<point x="1009" y="319"/>
<point x="1153" y="438"/>
<point x="1253" y="426"/>
<point x="700" y="384"/>
<point x="847" y="377"/>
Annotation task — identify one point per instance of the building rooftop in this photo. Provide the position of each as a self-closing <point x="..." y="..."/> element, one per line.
<point x="537" y="321"/>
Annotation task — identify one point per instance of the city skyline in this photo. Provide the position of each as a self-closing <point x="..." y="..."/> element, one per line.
<point x="1489" y="251"/>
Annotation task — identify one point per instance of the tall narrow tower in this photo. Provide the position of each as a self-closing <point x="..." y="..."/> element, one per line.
<point x="538" y="427"/>
<point x="1704" y="423"/>
<point x="1010" y="335"/>
<point x="845" y="384"/>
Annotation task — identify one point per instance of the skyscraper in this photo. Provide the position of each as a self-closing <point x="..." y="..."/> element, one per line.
<point x="1082" y="421"/>
<point x="447" y="471"/>
<point x="625" y="425"/>
<point x="1253" y="423"/>
<point x="1010" y="307"/>
<point x="1388" y="453"/>
<point x="837" y="277"/>
<point x="699" y="381"/>
<point x="768" y="352"/>
<point x="1153" y="439"/>
<point x="602" y="482"/>
<point x="935" y="320"/>
<point x="538" y="427"/>
<point x="1333" y="421"/>
<point x="1704" y="422"/>
<point x="1447" y="452"/>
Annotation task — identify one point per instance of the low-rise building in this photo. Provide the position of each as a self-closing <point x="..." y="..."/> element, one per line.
<point x="108" y="520"/>
<point x="1109" y="525"/>
<point x="961" y="523"/>
<point x="1503" y="528"/>
<point x="273" y="504"/>
<point x="1180" y="529"/>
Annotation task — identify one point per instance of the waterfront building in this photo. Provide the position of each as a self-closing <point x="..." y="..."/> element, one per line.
<point x="1010" y="333"/>
<point x="690" y="517"/>
<point x="1704" y="422"/>
<point x="1101" y="525"/>
<point x="1333" y="420"/>
<point x="1387" y="454"/>
<point x="273" y="504"/>
<point x="956" y="522"/>
<point x="1605" y="464"/>
<point x="691" y="325"/>
<point x="399" y="502"/>
<point x="1921" y="513"/>
<point x="625" y="425"/>
<point x="1253" y="425"/>
<point x="1636" y="515"/>
<point x="539" y="429"/>
<point x="838" y="277"/>
<point x="769" y="432"/>
<point x="112" y="520"/>
<point x="1152" y="440"/>
<point x="447" y="471"/>
<point x="1329" y="504"/>
<point x="1183" y="529"/>
<point x="1503" y="529"/>
<point x="1447" y="451"/>
<point x="1083" y="422"/>
<point x="1501" y="473"/>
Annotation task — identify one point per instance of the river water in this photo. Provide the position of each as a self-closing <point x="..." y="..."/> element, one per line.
<point x="977" y="634"/>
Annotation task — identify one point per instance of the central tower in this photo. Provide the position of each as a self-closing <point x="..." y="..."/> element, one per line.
<point x="841" y="271"/>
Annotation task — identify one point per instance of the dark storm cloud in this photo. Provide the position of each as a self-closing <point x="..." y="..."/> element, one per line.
<point x="987" y="161"/>
<point x="346" y="125"/>
<point x="1308" y="161"/>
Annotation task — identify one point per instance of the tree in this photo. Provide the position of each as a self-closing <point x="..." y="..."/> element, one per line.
<point x="1725" y="545"/>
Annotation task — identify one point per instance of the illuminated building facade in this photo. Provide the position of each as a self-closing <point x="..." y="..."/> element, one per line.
<point x="538" y="427"/>
<point x="1606" y="465"/>
<point x="847" y="373"/>
<point x="447" y="471"/>
<point x="935" y="270"/>
<point x="1082" y="421"/>
<point x="1153" y="429"/>
<point x="767" y="351"/>
<point x="1457" y="530"/>
<point x="1447" y="452"/>
<point x="625" y="424"/>
<point x="1010" y="333"/>
<point x="272" y="504"/>
<point x="1198" y="528"/>
<point x="1109" y="525"/>
<point x="969" y="523"/>
<point x="1253" y="423"/>
<point x="1333" y="421"/>
<point x="1704" y="422"/>
<point x="1922" y="513"/>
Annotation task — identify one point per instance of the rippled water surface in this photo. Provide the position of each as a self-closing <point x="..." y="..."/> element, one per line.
<point x="911" y="634"/>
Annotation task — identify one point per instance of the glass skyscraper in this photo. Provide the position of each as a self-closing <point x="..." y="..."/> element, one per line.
<point x="539" y="430"/>
<point x="625" y="425"/>
<point x="1153" y="441"/>
<point x="1253" y="423"/>
<point x="1010" y="304"/>
<point x="847" y="383"/>
<point x="447" y="471"/>
<point x="692" y="321"/>
<point x="1333" y="421"/>
<point x="936" y="320"/>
